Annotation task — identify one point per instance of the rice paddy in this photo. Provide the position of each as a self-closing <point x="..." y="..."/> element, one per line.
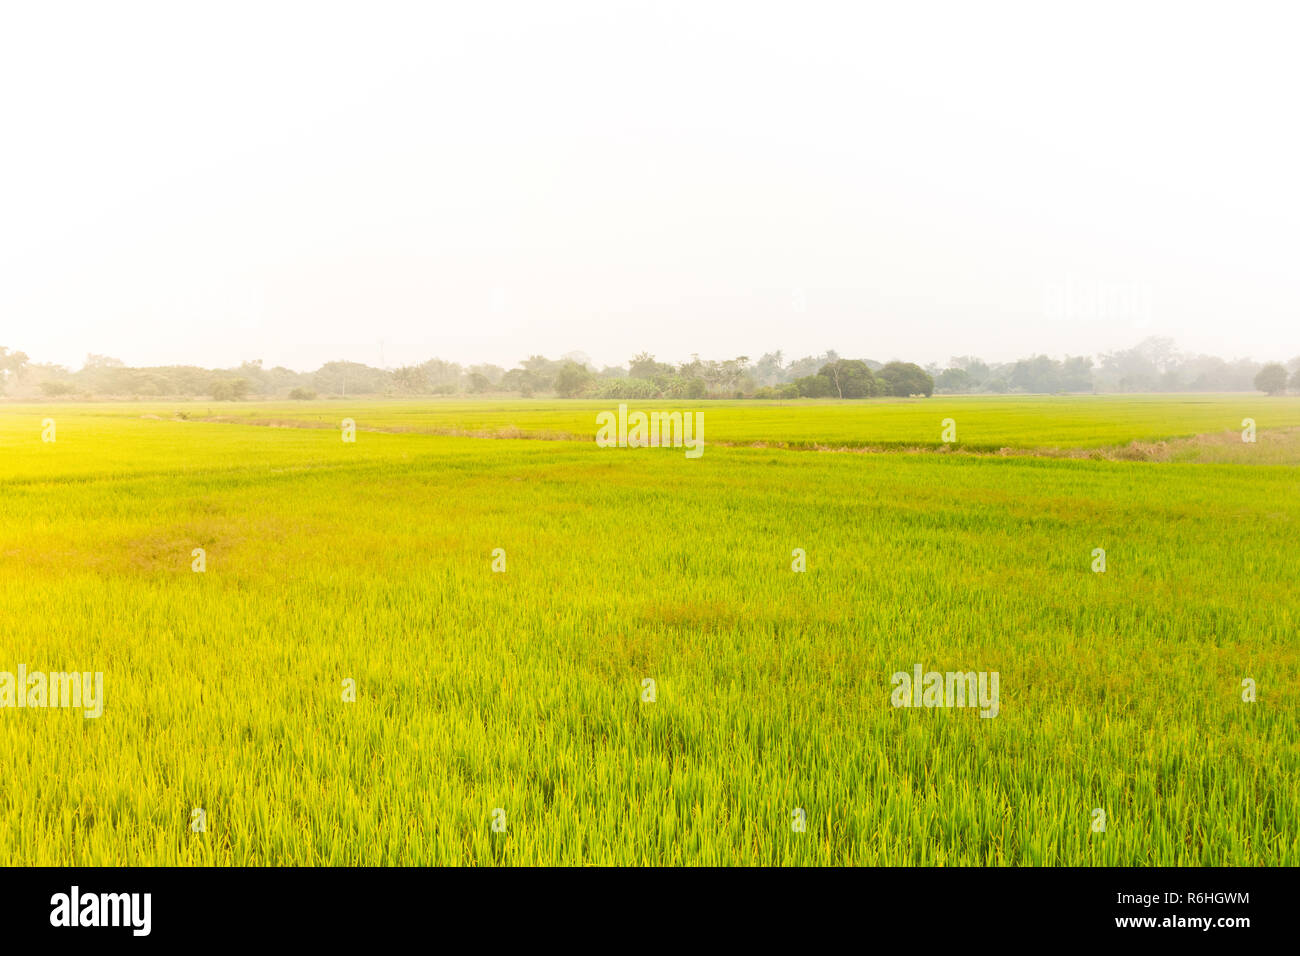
<point x="498" y="607"/>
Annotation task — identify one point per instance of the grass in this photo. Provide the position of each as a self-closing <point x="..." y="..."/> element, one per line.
<point x="983" y="422"/>
<point x="521" y="690"/>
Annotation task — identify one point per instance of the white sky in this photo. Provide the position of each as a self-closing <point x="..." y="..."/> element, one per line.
<point x="204" y="184"/>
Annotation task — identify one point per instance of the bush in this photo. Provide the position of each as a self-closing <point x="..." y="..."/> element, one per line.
<point x="57" y="388"/>
<point x="302" y="394"/>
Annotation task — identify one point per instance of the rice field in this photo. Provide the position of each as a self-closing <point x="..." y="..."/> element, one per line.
<point x="984" y="423"/>
<point x="503" y="716"/>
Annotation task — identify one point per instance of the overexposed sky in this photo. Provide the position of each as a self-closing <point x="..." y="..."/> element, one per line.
<point x="300" y="182"/>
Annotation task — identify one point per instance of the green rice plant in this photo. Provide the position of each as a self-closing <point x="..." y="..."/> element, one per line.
<point x="519" y="695"/>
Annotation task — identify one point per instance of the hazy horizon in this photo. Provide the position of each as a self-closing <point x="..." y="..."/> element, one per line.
<point x="299" y="184"/>
<point x="787" y="359"/>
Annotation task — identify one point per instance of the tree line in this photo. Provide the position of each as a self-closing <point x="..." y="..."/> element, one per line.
<point x="1152" y="366"/>
<point x="571" y="376"/>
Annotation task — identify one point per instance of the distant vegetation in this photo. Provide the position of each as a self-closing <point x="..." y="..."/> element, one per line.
<point x="1152" y="366"/>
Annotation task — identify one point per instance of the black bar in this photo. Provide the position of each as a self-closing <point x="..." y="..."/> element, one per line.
<point x="962" y="908"/>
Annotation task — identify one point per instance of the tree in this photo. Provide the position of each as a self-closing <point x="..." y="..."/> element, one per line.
<point x="1271" y="379"/>
<point x="492" y="373"/>
<point x="103" y="361"/>
<point x="850" y="378"/>
<point x="1295" y="380"/>
<point x="572" y="380"/>
<point x="542" y="369"/>
<point x="954" y="380"/>
<point x="1076" y="374"/>
<point x="520" y="380"/>
<point x="907" y="378"/>
<point x="410" y="380"/>
<point x="582" y="358"/>
<point x="977" y="369"/>
<point x="349" y="378"/>
<point x="230" y="389"/>
<point x="645" y="366"/>
<point x="441" y="376"/>
<point x="815" y="386"/>
<point x="1039" y="374"/>
<point x="11" y="363"/>
<point x="768" y="370"/>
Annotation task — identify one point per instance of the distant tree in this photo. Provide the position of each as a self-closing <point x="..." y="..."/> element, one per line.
<point x="1295" y="380"/>
<point x="542" y="370"/>
<point x="977" y="369"/>
<point x="810" y="365"/>
<point x="301" y="394"/>
<point x="1076" y="374"/>
<point x="907" y="378"/>
<point x="802" y="368"/>
<point x="11" y="363"/>
<point x="520" y="380"/>
<point x="644" y="366"/>
<point x="492" y="373"/>
<point x="850" y="378"/>
<point x="768" y="370"/>
<point x="280" y="378"/>
<point x="815" y="386"/>
<point x="572" y="380"/>
<point x="1039" y="374"/>
<point x="410" y="380"/>
<point x="731" y="372"/>
<point x="441" y="377"/>
<point x="103" y="361"/>
<point x="1272" y="379"/>
<point x="478" y="383"/>
<point x="953" y="380"/>
<point x="230" y="389"/>
<point x="350" y="378"/>
<point x="581" y="358"/>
